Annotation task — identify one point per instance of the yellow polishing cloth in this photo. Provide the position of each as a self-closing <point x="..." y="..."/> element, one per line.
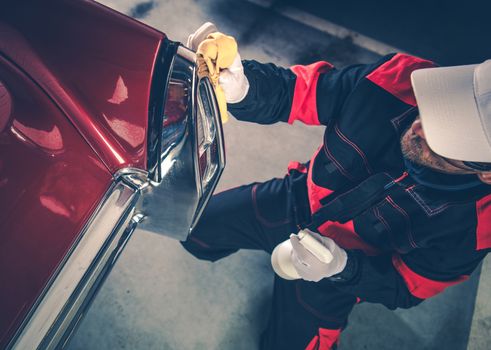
<point x="214" y="54"/>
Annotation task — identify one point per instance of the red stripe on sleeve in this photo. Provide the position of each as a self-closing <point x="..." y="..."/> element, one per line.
<point x="325" y="339"/>
<point x="394" y="76"/>
<point x="316" y="193"/>
<point x="298" y="167"/>
<point x="346" y="237"/>
<point x="313" y="344"/>
<point x="484" y="223"/>
<point x="304" y="106"/>
<point x="419" y="286"/>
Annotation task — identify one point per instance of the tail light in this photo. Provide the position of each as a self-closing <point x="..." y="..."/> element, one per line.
<point x="188" y="159"/>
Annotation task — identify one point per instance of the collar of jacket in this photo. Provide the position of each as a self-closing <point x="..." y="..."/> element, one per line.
<point x="441" y="181"/>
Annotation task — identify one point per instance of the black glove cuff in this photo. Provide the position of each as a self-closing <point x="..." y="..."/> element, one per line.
<point x="351" y="269"/>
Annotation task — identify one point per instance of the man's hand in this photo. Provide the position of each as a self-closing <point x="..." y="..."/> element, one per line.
<point x="310" y="266"/>
<point x="219" y="60"/>
<point x="216" y="53"/>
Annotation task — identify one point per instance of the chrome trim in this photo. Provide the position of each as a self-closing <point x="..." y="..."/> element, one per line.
<point x="174" y="204"/>
<point x="59" y="308"/>
<point x="170" y="207"/>
<point x="221" y="150"/>
<point x="136" y="178"/>
<point x="186" y="53"/>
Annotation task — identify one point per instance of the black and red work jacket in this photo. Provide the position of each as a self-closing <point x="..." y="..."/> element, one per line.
<point x="406" y="241"/>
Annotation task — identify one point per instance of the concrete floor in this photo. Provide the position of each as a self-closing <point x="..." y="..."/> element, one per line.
<point x="480" y="335"/>
<point x="160" y="297"/>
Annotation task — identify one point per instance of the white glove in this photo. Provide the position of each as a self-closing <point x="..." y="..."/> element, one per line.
<point x="309" y="267"/>
<point x="234" y="82"/>
<point x="232" y="79"/>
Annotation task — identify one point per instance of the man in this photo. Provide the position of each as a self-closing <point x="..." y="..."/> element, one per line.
<point x="398" y="191"/>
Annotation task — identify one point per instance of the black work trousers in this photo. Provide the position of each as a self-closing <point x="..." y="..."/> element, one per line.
<point x="260" y="216"/>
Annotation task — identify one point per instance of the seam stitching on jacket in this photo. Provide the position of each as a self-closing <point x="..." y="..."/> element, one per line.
<point x="428" y="210"/>
<point x="341" y="169"/>
<point x="412" y="242"/>
<point x="396" y="122"/>
<point x="312" y="310"/>
<point x="260" y="218"/>
<point x="355" y="147"/>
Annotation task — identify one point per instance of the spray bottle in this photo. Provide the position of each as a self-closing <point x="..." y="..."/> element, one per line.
<point x="281" y="258"/>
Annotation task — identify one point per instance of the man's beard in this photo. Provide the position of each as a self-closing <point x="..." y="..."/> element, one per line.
<point x="412" y="148"/>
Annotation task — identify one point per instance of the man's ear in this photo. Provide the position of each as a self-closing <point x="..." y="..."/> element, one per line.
<point x="485" y="177"/>
<point x="417" y="128"/>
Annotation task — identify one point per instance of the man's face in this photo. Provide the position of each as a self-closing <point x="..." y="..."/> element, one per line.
<point x="415" y="148"/>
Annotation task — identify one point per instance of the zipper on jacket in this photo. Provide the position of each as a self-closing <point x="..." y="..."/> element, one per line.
<point x="399" y="179"/>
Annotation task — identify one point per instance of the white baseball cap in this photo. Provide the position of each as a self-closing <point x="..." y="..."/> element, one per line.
<point x="455" y="108"/>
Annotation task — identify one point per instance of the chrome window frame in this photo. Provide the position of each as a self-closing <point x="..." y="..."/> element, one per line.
<point x="59" y="308"/>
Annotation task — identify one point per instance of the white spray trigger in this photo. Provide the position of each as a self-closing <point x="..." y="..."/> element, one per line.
<point x="315" y="247"/>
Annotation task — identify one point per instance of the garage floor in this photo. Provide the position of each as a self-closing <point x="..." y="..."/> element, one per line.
<point x="159" y="297"/>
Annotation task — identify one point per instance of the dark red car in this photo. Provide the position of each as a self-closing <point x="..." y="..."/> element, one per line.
<point x="104" y="126"/>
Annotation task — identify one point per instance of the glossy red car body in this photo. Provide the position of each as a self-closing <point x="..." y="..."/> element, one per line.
<point x="75" y="80"/>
